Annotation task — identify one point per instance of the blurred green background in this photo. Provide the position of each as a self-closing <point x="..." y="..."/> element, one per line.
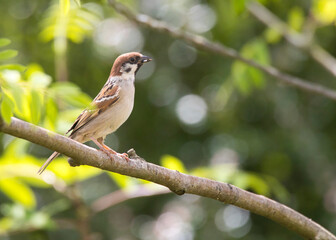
<point x="196" y="112"/>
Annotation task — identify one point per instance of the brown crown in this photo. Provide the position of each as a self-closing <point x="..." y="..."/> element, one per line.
<point x="115" y="71"/>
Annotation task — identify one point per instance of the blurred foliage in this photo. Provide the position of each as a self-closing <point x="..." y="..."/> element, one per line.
<point x="70" y="21"/>
<point x="195" y="112"/>
<point x="246" y="77"/>
<point x="325" y="11"/>
<point x="31" y="96"/>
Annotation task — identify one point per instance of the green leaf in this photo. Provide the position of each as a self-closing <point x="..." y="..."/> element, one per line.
<point x="64" y="6"/>
<point x="245" y="77"/>
<point x="64" y="88"/>
<point x="51" y="113"/>
<point x="121" y="180"/>
<point x="39" y="220"/>
<point x="32" y="69"/>
<point x="78" y="2"/>
<point x="278" y="190"/>
<point x="201" y="172"/>
<point x="7" y="54"/>
<point x="56" y="206"/>
<point x="272" y="36"/>
<point x="296" y="18"/>
<point x="17" y="67"/>
<point x="39" y="79"/>
<point x="35" y="106"/>
<point x="256" y="77"/>
<point x="324" y="11"/>
<point x="60" y="168"/>
<point x="7" y="107"/>
<point x="251" y="181"/>
<point x="80" y="100"/>
<point x="238" y="5"/>
<point x="20" y="218"/>
<point x="17" y="94"/>
<point x="72" y="94"/>
<point x="16" y="147"/>
<point x="18" y="192"/>
<point x="78" y="23"/>
<point x="22" y="101"/>
<point x="256" y="50"/>
<point x="173" y="163"/>
<point x="220" y="172"/>
<point x="241" y="80"/>
<point x="4" y="42"/>
<point x="25" y="167"/>
<point x="5" y="224"/>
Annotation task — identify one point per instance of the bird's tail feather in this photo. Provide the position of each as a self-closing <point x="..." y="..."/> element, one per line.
<point x="45" y="165"/>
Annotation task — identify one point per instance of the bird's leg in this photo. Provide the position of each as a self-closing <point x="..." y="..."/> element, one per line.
<point x="100" y="143"/>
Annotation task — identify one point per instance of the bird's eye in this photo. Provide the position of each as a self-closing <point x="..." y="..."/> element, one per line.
<point x="132" y="60"/>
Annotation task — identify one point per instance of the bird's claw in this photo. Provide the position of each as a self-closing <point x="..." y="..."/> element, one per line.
<point x="124" y="156"/>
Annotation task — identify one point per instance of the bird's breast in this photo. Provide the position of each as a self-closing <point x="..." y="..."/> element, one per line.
<point x="113" y="117"/>
<point x="119" y="112"/>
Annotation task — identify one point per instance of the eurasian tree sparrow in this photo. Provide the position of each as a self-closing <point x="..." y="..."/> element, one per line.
<point x="110" y="108"/>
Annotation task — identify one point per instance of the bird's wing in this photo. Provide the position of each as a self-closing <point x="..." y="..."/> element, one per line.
<point x="108" y="96"/>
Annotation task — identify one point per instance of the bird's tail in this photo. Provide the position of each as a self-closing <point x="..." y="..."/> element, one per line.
<point x="45" y="165"/>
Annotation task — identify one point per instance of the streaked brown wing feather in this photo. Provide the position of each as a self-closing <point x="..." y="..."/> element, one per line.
<point x="106" y="97"/>
<point x="85" y="117"/>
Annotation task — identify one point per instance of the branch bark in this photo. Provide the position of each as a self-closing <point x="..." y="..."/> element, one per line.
<point x="177" y="182"/>
<point x="217" y="48"/>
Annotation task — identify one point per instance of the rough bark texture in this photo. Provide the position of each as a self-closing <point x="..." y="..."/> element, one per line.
<point x="177" y="182"/>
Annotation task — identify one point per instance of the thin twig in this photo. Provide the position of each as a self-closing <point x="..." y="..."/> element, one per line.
<point x="83" y="212"/>
<point x="177" y="182"/>
<point x="217" y="48"/>
<point x="299" y="40"/>
<point x="122" y="195"/>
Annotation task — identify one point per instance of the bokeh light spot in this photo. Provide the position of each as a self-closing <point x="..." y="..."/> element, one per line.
<point x="233" y="220"/>
<point x="201" y="18"/>
<point x="181" y="55"/>
<point x="106" y="37"/>
<point x="191" y="109"/>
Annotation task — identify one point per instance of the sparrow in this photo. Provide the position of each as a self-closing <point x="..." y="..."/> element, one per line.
<point x="110" y="108"/>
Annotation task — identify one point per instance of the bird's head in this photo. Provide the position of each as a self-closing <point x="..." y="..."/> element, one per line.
<point x="128" y="64"/>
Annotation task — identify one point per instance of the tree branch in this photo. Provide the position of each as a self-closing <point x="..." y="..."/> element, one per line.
<point x="121" y="195"/>
<point x="177" y="182"/>
<point x="298" y="40"/>
<point x="217" y="48"/>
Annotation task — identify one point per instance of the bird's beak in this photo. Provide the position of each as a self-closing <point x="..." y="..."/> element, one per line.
<point x="145" y="59"/>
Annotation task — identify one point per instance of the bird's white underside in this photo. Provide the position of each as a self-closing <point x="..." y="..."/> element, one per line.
<point x="116" y="115"/>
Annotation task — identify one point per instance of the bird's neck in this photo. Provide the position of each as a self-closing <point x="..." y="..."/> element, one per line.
<point x="124" y="78"/>
<point x="128" y="76"/>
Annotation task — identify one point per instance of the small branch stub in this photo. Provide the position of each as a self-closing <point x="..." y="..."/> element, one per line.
<point x="132" y="154"/>
<point x="73" y="163"/>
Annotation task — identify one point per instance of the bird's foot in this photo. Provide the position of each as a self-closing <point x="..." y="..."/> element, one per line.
<point x="124" y="156"/>
<point x="110" y="152"/>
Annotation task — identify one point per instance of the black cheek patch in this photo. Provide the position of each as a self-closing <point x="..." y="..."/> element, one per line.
<point x="138" y="67"/>
<point x="128" y="70"/>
